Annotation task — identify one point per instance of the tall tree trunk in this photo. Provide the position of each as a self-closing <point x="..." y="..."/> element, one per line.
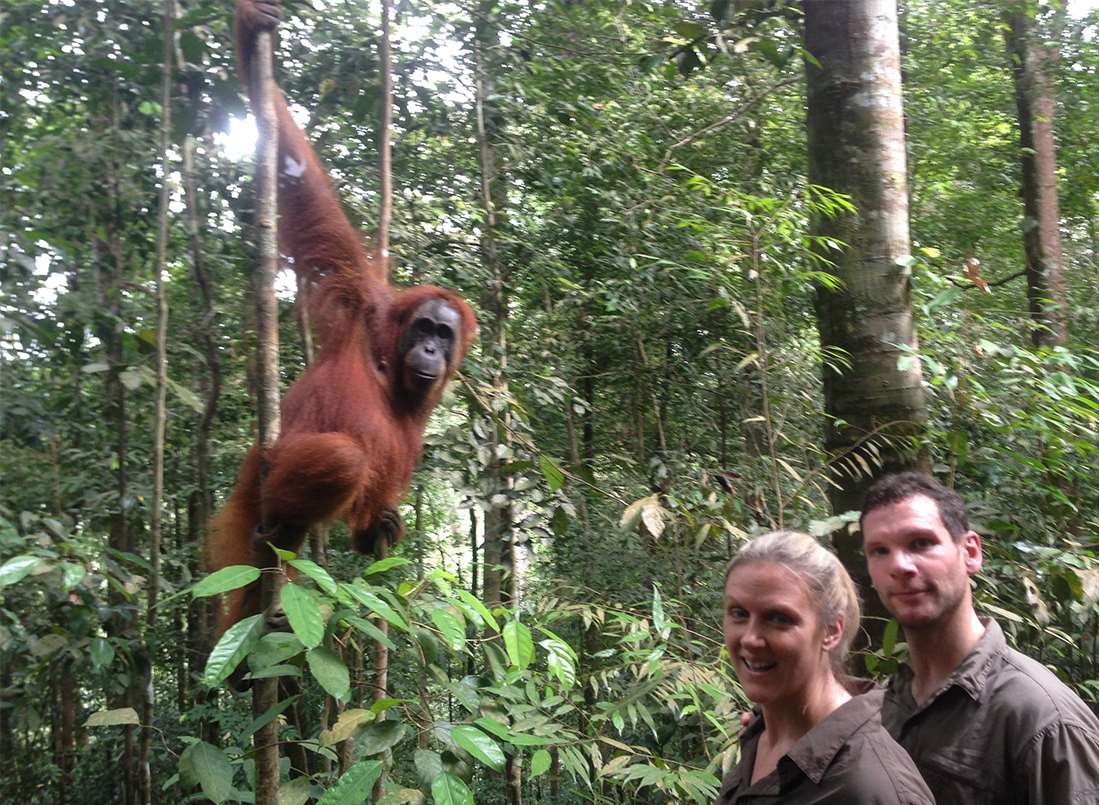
<point x="160" y="416"/>
<point x="874" y="407"/>
<point x="385" y="134"/>
<point x="265" y="691"/>
<point x="385" y="216"/>
<point x="110" y="277"/>
<point x="504" y="563"/>
<point x="200" y="614"/>
<point x="1032" y="66"/>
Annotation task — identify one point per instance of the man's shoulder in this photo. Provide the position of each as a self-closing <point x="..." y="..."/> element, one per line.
<point x="1024" y="687"/>
<point x="880" y="770"/>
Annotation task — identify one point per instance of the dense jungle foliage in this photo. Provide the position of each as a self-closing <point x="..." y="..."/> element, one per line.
<point x="645" y="392"/>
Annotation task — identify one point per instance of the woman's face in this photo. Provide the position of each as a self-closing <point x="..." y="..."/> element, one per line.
<point x="777" y="643"/>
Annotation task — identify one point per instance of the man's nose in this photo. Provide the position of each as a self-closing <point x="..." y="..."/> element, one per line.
<point x="901" y="564"/>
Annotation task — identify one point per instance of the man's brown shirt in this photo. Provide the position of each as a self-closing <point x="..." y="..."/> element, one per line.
<point x="1002" y="730"/>
<point x="846" y="759"/>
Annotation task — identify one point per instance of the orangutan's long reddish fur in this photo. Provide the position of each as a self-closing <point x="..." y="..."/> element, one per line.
<point x="351" y="436"/>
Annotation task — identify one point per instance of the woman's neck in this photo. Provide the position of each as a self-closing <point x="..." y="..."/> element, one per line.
<point x="785" y="722"/>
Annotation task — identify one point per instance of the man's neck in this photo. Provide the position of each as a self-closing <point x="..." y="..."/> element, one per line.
<point x="937" y="649"/>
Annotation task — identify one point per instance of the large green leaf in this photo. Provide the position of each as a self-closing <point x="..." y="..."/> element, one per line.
<point x="453" y="629"/>
<point x="383" y="565"/>
<point x="353" y="787"/>
<point x="540" y="762"/>
<point x="450" y="790"/>
<point x="315" y="572"/>
<point x="329" y="670"/>
<point x="207" y="767"/>
<point x="560" y="663"/>
<point x="274" y="648"/>
<point x="18" y="568"/>
<point x="382" y="735"/>
<point x="554" y="475"/>
<point x="370" y="630"/>
<point x="226" y="579"/>
<point x="479" y="745"/>
<point x="429" y="765"/>
<point x="303" y="613"/>
<point x="519" y="643"/>
<point x="475" y="604"/>
<point x="233" y="647"/>
<point x="376" y="605"/>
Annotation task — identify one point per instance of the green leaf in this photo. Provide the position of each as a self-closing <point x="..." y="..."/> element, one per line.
<point x="381" y="705"/>
<point x="450" y="790"/>
<point x="354" y="786"/>
<point x="554" y="475"/>
<point x="475" y="603"/>
<point x="328" y="669"/>
<point x="233" y="647"/>
<point x="113" y="718"/>
<point x="370" y="630"/>
<point x="269" y="715"/>
<point x="559" y="661"/>
<point x="519" y="644"/>
<point x="429" y="765"/>
<point x="102" y="653"/>
<point x="274" y="648"/>
<point x="71" y="575"/>
<point x="493" y="726"/>
<point x="479" y="745"/>
<point x="382" y="735"/>
<point x="659" y="620"/>
<point x="226" y="579"/>
<point x="303" y="613"/>
<point x="383" y="565"/>
<point x="540" y="762"/>
<point x="207" y="766"/>
<point x="889" y="638"/>
<point x="315" y="572"/>
<point x="376" y="605"/>
<point x="18" y="568"/>
<point x="453" y="630"/>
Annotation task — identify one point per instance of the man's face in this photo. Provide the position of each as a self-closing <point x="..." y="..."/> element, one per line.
<point x="920" y="572"/>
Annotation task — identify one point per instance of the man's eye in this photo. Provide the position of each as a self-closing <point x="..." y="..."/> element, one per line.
<point x="736" y="613"/>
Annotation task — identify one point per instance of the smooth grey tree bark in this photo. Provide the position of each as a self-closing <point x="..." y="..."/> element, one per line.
<point x="873" y="394"/>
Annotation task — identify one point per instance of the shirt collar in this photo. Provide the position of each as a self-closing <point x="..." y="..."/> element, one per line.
<point x="815" y="751"/>
<point x="972" y="672"/>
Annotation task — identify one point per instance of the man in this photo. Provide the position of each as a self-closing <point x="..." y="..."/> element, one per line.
<point x="984" y="723"/>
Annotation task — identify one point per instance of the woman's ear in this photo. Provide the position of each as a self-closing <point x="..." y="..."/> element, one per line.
<point x="833" y="633"/>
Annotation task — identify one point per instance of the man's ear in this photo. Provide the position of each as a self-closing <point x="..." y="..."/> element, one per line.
<point x="970" y="544"/>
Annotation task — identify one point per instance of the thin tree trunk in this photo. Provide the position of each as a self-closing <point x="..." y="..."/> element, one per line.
<point x="65" y="735"/>
<point x="1033" y="62"/>
<point x="160" y="416"/>
<point x="856" y="146"/>
<point x="385" y="134"/>
<point x="110" y="270"/>
<point x="265" y="691"/>
<point x="385" y="216"/>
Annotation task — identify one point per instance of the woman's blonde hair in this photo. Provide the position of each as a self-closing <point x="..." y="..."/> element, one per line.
<point x="831" y="590"/>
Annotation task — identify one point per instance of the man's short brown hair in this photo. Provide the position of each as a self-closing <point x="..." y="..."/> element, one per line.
<point x="894" y="488"/>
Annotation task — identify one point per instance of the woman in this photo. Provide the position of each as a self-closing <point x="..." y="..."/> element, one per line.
<point x="791" y="612"/>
